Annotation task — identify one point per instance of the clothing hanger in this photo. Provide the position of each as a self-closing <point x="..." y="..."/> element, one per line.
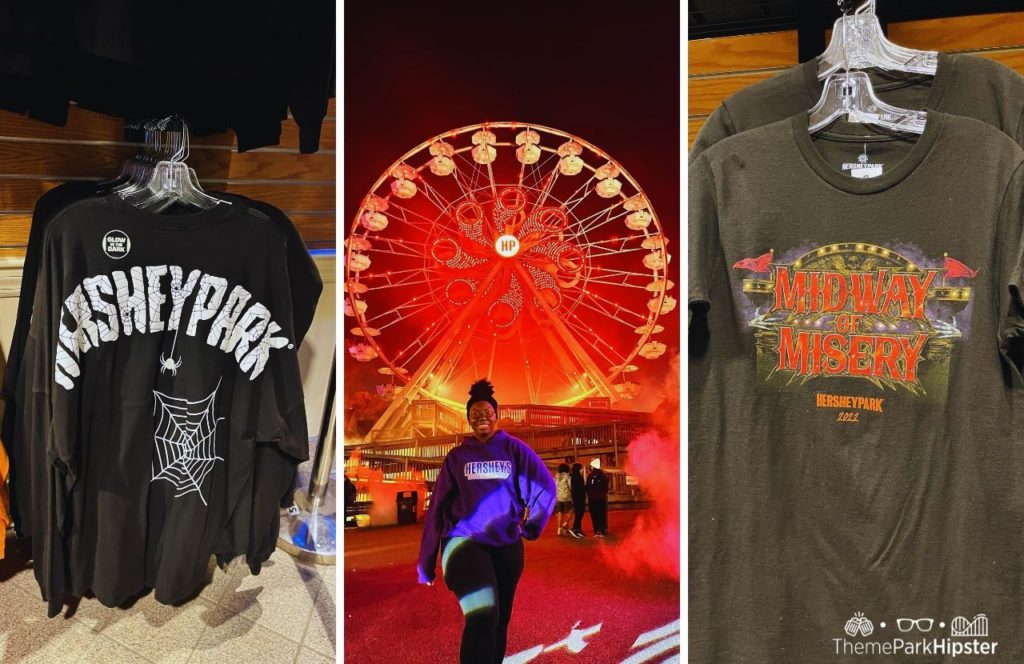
<point x="859" y="43"/>
<point x="851" y="95"/>
<point x="171" y="181"/>
<point x="133" y="165"/>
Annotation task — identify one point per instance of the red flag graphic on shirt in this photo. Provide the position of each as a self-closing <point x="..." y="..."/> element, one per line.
<point x="955" y="268"/>
<point x="760" y="264"/>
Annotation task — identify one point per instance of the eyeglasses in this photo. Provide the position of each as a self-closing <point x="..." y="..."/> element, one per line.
<point x="922" y="624"/>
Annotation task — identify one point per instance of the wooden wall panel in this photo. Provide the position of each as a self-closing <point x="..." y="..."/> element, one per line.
<point x="722" y="66"/>
<point x="707" y="93"/>
<point x="20" y="195"/>
<point x="692" y="127"/>
<point x="14" y="233"/>
<point x="35" y="156"/>
<point x="961" y="33"/>
<point x="29" y="157"/>
<point x="731" y="54"/>
<point x="88" y="126"/>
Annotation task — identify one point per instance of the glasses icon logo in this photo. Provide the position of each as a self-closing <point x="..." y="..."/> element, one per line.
<point x="922" y="624"/>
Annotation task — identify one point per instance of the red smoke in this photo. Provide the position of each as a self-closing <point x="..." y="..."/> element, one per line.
<point x="652" y="546"/>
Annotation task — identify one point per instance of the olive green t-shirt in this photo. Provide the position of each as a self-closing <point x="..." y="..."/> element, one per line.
<point x="965" y="85"/>
<point x="855" y="450"/>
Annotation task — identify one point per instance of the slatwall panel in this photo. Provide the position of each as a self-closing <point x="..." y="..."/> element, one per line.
<point x="35" y="157"/>
<point x="720" y="67"/>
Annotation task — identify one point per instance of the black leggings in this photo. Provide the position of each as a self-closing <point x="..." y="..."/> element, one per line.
<point x="578" y="507"/>
<point x="484" y="578"/>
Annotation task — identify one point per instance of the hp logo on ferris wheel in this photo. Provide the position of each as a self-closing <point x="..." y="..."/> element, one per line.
<point x="507" y="246"/>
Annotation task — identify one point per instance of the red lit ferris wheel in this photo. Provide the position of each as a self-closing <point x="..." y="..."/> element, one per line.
<point x="513" y="251"/>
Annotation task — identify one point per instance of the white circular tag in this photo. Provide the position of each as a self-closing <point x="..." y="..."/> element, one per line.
<point x="116" y="244"/>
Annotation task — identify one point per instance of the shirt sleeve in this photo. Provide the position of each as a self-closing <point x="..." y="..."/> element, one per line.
<point x="717" y="127"/>
<point x="282" y="414"/>
<point x="1011" y="292"/>
<point x="48" y="428"/>
<point x="434" y="523"/>
<point x="1020" y="130"/>
<point x="703" y="231"/>
<point x="536" y="489"/>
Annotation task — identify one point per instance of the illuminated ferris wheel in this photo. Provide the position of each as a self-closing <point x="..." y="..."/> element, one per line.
<point x="512" y="251"/>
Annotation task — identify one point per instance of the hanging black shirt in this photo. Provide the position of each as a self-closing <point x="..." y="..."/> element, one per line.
<point x="152" y="345"/>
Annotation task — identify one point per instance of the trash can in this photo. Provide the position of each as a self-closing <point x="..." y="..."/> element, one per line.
<point x="407" y="507"/>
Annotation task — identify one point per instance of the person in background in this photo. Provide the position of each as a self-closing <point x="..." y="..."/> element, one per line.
<point x="563" y="506"/>
<point x="597" y="496"/>
<point x="578" y="491"/>
<point x="351" y="493"/>
<point x="492" y="491"/>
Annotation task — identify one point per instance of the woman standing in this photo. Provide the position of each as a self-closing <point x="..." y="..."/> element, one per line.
<point x="578" y="488"/>
<point x="492" y="491"/>
<point x="563" y="504"/>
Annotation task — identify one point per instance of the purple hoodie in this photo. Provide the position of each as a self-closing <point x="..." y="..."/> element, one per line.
<point x="481" y="492"/>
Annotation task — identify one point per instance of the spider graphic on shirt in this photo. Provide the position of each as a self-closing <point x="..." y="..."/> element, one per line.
<point x="168" y="364"/>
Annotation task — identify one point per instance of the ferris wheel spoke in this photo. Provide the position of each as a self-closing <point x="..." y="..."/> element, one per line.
<point x="537" y="171"/>
<point x="594" y="221"/>
<point x="568" y="366"/>
<point x="492" y="354"/>
<point x="424" y="338"/>
<point x="598" y="249"/>
<point x="490" y="180"/>
<point x="392" y="252"/>
<point x="447" y="367"/>
<point x="531" y="389"/>
<point x="402" y="242"/>
<point x="432" y="365"/>
<point x="547" y="185"/>
<point x="621" y="241"/>
<point x="472" y="175"/>
<point x="390" y="273"/>
<point x="428" y="223"/>
<point x="403" y="283"/>
<point x="466" y="191"/>
<point x="597" y="342"/>
<point x="616" y="283"/>
<point x="617" y="308"/>
<point x="435" y="196"/>
<point x="612" y="314"/>
<point x="578" y="196"/>
<point x="606" y="273"/>
<point x="400" y="313"/>
<point x="567" y="339"/>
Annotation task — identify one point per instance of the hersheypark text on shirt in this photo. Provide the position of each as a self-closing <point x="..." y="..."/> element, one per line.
<point x="103" y="307"/>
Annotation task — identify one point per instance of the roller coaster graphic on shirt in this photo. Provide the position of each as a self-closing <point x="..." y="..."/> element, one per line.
<point x="856" y="310"/>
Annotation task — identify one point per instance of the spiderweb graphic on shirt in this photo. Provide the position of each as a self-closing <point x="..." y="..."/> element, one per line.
<point x="185" y="435"/>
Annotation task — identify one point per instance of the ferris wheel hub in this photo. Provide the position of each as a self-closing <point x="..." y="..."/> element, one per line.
<point x="507" y="246"/>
